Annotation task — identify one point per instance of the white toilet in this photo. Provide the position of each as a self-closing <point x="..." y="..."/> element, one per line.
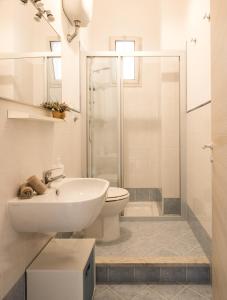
<point x="106" y="228"/>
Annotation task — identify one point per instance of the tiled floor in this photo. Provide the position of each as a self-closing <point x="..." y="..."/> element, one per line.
<point x="153" y="238"/>
<point x="153" y="292"/>
<point x="142" y="209"/>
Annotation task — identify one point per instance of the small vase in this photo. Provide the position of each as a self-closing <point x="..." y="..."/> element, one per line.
<point x="58" y="114"/>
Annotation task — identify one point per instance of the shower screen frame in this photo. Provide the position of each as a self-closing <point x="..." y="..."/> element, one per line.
<point x="181" y="55"/>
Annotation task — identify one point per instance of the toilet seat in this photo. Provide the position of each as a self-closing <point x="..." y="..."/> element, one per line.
<point x="116" y="194"/>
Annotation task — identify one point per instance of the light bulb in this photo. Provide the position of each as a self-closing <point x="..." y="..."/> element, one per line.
<point x="38" y="16"/>
<point x="50" y="16"/>
<point x="38" y="3"/>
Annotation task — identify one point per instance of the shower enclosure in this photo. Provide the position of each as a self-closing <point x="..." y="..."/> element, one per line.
<point x="134" y="104"/>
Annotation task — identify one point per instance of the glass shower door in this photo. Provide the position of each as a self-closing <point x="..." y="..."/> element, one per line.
<point x="104" y="151"/>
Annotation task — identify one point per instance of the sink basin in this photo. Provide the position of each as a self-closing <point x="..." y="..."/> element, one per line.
<point x="70" y="204"/>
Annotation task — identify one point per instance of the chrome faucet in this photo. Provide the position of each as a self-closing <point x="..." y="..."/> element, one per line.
<point x="47" y="175"/>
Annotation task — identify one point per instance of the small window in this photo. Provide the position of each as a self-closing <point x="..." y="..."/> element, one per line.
<point x="55" y="46"/>
<point x="130" y="65"/>
<point x="128" y="68"/>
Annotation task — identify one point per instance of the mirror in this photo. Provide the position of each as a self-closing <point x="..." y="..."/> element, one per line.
<point x="30" y="55"/>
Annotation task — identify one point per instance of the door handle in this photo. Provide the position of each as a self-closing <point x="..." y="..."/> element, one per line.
<point x="208" y="146"/>
<point x="207" y="17"/>
<point x="211" y="147"/>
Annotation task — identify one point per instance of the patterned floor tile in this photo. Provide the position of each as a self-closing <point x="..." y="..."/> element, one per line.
<point x="100" y="290"/>
<point x="168" y="291"/>
<point x="153" y="238"/>
<point x="148" y="294"/>
<point x="153" y="292"/>
<point x="204" y="290"/>
<point x="163" y="251"/>
<point x="183" y="248"/>
<point x="189" y="294"/>
<point x="196" y="252"/>
<point x="106" y="294"/>
<point x="127" y="292"/>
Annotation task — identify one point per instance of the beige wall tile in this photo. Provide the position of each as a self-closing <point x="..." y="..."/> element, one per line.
<point x="30" y="147"/>
<point x="199" y="194"/>
<point x="170" y="172"/>
<point x="142" y="128"/>
<point x="170" y="128"/>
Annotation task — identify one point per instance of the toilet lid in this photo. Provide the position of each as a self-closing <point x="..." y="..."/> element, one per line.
<point x="116" y="193"/>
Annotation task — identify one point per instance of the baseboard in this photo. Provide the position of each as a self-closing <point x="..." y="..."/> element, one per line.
<point x="172" y="206"/>
<point x="145" y="194"/>
<point x="18" y="291"/>
<point x="199" y="232"/>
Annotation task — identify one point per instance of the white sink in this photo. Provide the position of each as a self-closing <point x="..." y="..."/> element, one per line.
<point x="71" y="204"/>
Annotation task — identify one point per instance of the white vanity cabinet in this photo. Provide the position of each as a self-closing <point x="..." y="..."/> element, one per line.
<point x="65" y="269"/>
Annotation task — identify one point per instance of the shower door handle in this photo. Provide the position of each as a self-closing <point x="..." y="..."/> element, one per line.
<point x="89" y="131"/>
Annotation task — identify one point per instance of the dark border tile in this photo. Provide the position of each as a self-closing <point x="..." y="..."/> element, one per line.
<point x="142" y="194"/>
<point x="101" y="273"/>
<point x="173" y="274"/>
<point x="144" y="274"/>
<point x="199" y="232"/>
<point x="120" y="274"/>
<point x="198" y="274"/>
<point x="172" y="206"/>
<point x="18" y="291"/>
<point x="64" y="235"/>
<point x="132" y="192"/>
<point x="155" y="195"/>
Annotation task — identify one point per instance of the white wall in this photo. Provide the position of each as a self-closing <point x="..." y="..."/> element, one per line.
<point x="141" y="103"/>
<point x="160" y="25"/>
<point x="198" y="54"/>
<point x="174" y="24"/>
<point x="29" y="148"/>
<point x="199" y="168"/>
<point x="174" y="27"/>
<point x="199" y="192"/>
<point x="165" y="25"/>
<point x="170" y="128"/>
<point x="142" y="128"/>
<point x="181" y="21"/>
<point x="125" y="18"/>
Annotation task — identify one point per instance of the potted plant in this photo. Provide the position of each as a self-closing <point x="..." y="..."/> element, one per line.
<point x="58" y="109"/>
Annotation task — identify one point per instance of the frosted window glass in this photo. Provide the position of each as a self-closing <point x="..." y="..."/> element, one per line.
<point x="55" y="46"/>
<point x="128" y="68"/>
<point x="125" y="46"/>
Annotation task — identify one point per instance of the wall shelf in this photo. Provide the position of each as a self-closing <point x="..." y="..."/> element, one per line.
<point x="22" y="115"/>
